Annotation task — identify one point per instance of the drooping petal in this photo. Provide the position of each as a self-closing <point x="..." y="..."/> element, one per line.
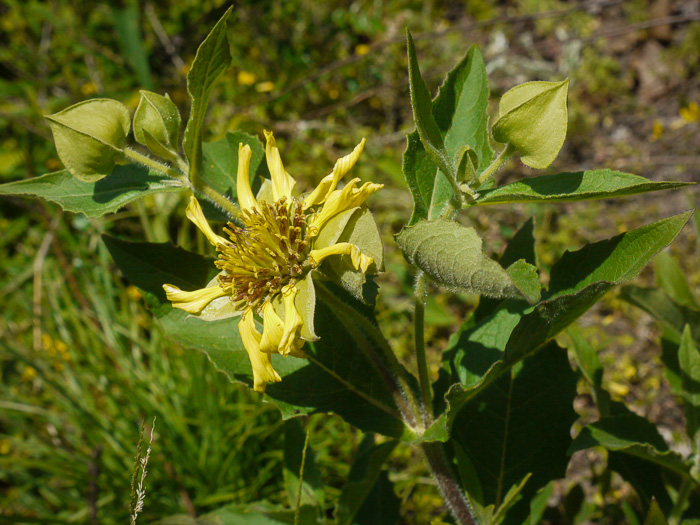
<point x="221" y="307"/>
<point x="329" y="182"/>
<point x="192" y="302"/>
<point x="263" y="373"/>
<point x="196" y="215"/>
<point x="291" y="341"/>
<point x="340" y="200"/>
<point x="282" y="182"/>
<point x="273" y="329"/>
<point x="359" y="260"/>
<point x="245" y="195"/>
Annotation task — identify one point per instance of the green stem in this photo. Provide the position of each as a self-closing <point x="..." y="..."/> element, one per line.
<point x="497" y="163"/>
<point x="683" y="494"/>
<point x="197" y="184"/>
<point x="155" y="165"/>
<point x="419" y="336"/>
<point x="386" y="364"/>
<point x="447" y="482"/>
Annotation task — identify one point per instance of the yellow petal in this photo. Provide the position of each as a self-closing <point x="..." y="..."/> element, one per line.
<point x="192" y="302"/>
<point x="282" y="182"/>
<point x="273" y="329"/>
<point x="340" y="200"/>
<point x="263" y="373"/>
<point x="196" y="215"/>
<point x="245" y="194"/>
<point x="359" y="260"/>
<point x="329" y="182"/>
<point x="291" y="341"/>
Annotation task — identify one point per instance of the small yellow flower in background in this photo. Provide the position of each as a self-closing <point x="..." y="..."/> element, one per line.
<point x="28" y="374"/>
<point x="245" y="78"/>
<point x="133" y="293"/>
<point x="361" y="49"/>
<point x="5" y="447"/>
<point x="656" y="130"/>
<point x="690" y="113"/>
<point x="266" y="264"/>
<point x="88" y="89"/>
<point x="265" y="87"/>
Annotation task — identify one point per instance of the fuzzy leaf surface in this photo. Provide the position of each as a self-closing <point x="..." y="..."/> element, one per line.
<point x="451" y="255"/>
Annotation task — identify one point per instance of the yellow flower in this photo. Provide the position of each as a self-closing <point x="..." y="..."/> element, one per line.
<point x="268" y="261"/>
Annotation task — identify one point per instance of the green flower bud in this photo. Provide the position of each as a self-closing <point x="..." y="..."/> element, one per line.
<point x="533" y="118"/>
<point x="90" y="136"/>
<point x="157" y="124"/>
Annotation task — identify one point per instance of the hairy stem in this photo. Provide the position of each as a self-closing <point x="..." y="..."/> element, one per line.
<point x="497" y="163"/>
<point x="419" y="336"/>
<point x="447" y="483"/>
<point x="158" y="166"/>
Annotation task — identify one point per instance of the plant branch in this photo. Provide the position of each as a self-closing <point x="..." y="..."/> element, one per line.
<point x="497" y="163"/>
<point x="447" y="483"/>
<point x="419" y="336"/>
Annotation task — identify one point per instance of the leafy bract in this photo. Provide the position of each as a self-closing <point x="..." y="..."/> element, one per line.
<point x="565" y="187"/>
<point x="460" y="113"/>
<point x="157" y="125"/>
<point x="451" y="255"/>
<point x="124" y="185"/>
<point x="213" y="58"/>
<point x="90" y="136"/>
<point x="336" y="378"/>
<point x="533" y="118"/>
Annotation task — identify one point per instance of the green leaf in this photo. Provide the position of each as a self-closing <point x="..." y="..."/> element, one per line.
<point x="423" y="114"/>
<point x="90" y="136"/>
<point x="335" y="379"/>
<point x="460" y="113"/>
<point x="363" y="476"/>
<point x="451" y="254"/>
<point x="94" y="199"/>
<point x="591" y="369"/>
<point x="649" y="480"/>
<point x="312" y="485"/>
<point x="578" y="186"/>
<point x="157" y="125"/>
<point x="615" y="260"/>
<point x="533" y="118"/>
<point x="670" y="314"/>
<point x="258" y="513"/>
<point x="655" y="516"/>
<point x="689" y="360"/>
<point x="671" y="277"/>
<point x="213" y="58"/>
<point x="526" y="279"/>
<point x="633" y="435"/>
<point x="538" y="504"/>
<point x="220" y="165"/>
<point x="504" y="429"/>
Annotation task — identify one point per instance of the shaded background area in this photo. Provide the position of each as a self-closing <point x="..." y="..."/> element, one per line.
<point x="81" y="361"/>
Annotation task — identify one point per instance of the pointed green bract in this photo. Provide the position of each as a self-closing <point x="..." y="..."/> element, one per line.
<point x="533" y="118"/>
<point x="90" y="136"/>
<point x="568" y="187"/>
<point x="423" y="114"/>
<point x="460" y="113"/>
<point x="125" y="184"/>
<point x="157" y="125"/>
<point x="655" y="515"/>
<point x="451" y="255"/>
<point x="213" y="58"/>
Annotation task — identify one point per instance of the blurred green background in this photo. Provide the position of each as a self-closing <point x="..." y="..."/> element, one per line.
<point x="82" y="363"/>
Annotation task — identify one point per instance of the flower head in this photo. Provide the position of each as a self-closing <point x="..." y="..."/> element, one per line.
<point x="268" y="261"/>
